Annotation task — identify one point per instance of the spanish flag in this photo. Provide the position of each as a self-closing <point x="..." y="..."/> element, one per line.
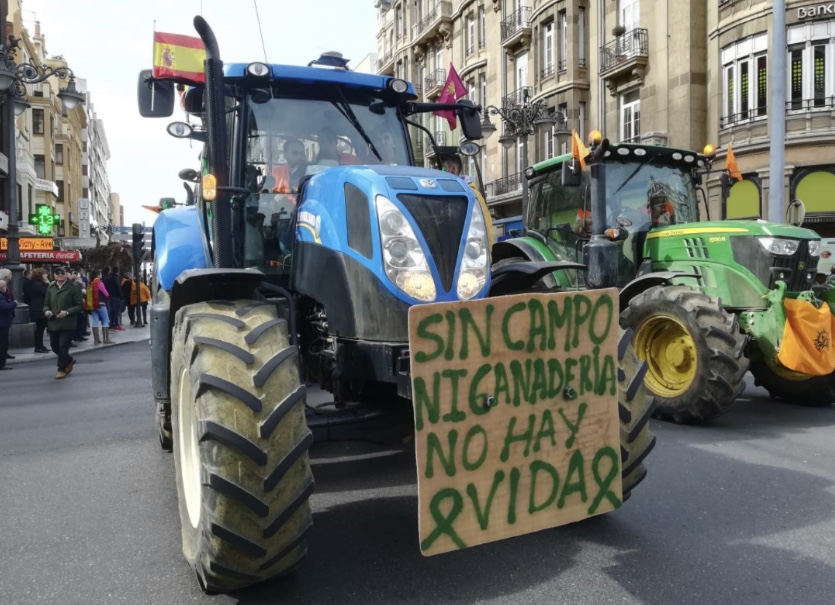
<point x="578" y="150"/>
<point x="177" y="56"/>
<point x="731" y="166"/>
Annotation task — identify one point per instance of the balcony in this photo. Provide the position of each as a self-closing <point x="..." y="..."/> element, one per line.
<point x="433" y="22"/>
<point x="385" y="63"/>
<point x="625" y="58"/>
<point x="516" y="27"/>
<point x="759" y="113"/>
<point x="504" y="186"/>
<point x="440" y="141"/>
<point x="434" y="83"/>
<point x="518" y="97"/>
<point x="547" y="72"/>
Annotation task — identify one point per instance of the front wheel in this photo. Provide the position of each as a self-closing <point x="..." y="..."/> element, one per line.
<point x="240" y="444"/>
<point x="694" y="351"/>
<point x="793" y="387"/>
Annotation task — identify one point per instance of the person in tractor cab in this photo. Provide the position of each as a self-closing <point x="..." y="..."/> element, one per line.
<point x="328" y="152"/>
<point x="288" y="176"/>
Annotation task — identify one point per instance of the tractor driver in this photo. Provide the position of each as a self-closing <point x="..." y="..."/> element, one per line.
<point x="329" y="154"/>
<point x="288" y="176"/>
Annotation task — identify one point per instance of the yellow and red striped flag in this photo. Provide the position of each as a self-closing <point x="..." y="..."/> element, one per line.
<point x="178" y="56"/>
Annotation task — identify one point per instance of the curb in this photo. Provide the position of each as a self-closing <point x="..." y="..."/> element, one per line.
<point x="24" y="356"/>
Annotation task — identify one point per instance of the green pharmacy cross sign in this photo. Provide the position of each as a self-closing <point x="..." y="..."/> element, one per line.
<point x="44" y="219"/>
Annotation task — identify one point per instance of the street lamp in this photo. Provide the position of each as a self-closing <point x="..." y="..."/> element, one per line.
<point x="13" y="78"/>
<point x="519" y="121"/>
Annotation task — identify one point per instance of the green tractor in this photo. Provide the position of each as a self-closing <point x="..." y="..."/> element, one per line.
<point x="705" y="300"/>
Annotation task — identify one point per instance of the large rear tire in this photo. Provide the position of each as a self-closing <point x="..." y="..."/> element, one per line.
<point x="793" y="387"/>
<point x="240" y="444"/>
<point x="635" y="407"/>
<point x="694" y="349"/>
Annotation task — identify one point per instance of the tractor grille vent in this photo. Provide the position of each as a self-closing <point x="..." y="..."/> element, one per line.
<point x="440" y="219"/>
<point x="696" y="247"/>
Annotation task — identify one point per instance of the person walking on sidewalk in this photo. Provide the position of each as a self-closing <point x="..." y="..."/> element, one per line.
<point x="96" y="303"/>
<point x="62" y="305"/>
<point x="110" y="278"/>
<point x="37" y="297"/>
<point x="7" y="306"/>
<point x="144" y="297"/>
<point x="127" y="294"/>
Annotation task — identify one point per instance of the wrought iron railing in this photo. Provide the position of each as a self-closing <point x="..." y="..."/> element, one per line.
<point x="440" y="141"/>
<point x="470" y="48"/>
<point x="634" y="43"/>
<point x="515" y="22"/>
<point x="435" y="79"/>
<point x="563" y="64"/>
<point x="743" y="116"/>
<point x="518" y="97"/>
<point x="547" y="71"/>
<point x="508" y="184"/>
<point x="821" y="102"/>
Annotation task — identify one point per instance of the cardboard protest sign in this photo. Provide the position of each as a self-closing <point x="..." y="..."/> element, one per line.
<point x="516" y="415"/>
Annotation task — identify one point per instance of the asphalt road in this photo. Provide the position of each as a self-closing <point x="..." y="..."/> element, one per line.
<point x="741" y="511"/>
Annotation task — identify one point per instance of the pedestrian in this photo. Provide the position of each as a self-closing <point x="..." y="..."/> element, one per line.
<point x="7" y="306"/>
<point x="6" y="276"/>
<point x="96" y="303"/>
<point x="62" y="305"/>
<point x="82" y="321"/>
<point x="127" y="290"/>
<point x="37" y="298"/>
<point x="27" y="287"/>
<point x="144" y="297"/>
<point x="114" y="291"/>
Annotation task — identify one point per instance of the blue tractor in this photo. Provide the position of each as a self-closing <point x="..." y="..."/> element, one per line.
<point x="309" y="236"/>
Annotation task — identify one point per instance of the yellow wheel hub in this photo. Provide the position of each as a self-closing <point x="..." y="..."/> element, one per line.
<point x="665" y="343"/>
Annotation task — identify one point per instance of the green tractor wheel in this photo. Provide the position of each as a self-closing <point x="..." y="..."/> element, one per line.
<point x="240" y="444"/>
<point x="694" y="351"/>
<point x="793" y="387"/>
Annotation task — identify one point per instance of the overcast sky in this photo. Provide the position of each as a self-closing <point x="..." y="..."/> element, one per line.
<point x="108" y="42"/>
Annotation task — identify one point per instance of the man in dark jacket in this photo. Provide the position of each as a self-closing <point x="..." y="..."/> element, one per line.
<point x="7" y="306"/>
<point x="62" y="305"/>
<point x="113" y="286"/>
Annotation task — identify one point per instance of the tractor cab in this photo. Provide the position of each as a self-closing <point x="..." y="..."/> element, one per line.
<point x="646" y="188"/>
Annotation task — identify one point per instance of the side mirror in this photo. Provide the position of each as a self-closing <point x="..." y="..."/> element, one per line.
<point x="189" y="174"/>
<point x="470" y="120"/>
<point x="571" y="173"/>
<point x="796" y="213"/>
<point x="193" y="100"/>
<point x="155" y="97"/>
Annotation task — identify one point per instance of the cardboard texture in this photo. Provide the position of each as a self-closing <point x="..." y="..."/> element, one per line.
<point x="516" y="415"/>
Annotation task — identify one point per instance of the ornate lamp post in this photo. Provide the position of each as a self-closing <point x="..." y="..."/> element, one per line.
<point x="13" y="78"/>
<point x="519" y="121"/>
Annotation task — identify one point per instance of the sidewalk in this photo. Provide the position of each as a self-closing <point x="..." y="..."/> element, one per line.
<point x="130" y="334"/>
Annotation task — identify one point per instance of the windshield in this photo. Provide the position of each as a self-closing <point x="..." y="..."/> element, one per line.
<point x="639" y="195"/>
<point x="289" y="138"/>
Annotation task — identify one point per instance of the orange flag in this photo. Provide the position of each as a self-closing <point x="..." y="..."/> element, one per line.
<point x="730" y="164"/>
<point x="178" y="56"/>
<point x="578" y="150"/>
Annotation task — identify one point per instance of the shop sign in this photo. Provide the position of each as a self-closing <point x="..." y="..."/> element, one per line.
<point x="55" y="256"/>
<point x="29" y="243"/>
<point x="820" y="10"/>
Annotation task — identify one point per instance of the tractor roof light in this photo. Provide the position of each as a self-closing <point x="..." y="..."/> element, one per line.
<point x="399" y="86"/>
<point x="595" y="137"/>
<point x="530" y="172"/>
<point x="209" y="187"/>
<point x="709" y="151"/>
<point x="259" y="70"/>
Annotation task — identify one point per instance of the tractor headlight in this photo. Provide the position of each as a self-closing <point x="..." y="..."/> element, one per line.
<point x="814" y="247"/>
<point x="404" y="259"/>
<point x="475" y="262"/>
<point x="779" y="246"/>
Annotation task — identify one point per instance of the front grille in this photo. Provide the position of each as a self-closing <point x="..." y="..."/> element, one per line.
<point x="440" y="219"/>
<point x="798" y="270"/>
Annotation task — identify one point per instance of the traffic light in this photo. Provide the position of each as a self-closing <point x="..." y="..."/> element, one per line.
<point x="138" y="242"/>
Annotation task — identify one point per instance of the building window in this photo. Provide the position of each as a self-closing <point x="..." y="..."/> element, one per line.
<point x="37" y="121"/>
<point x="548" y="143"/>
<point x="59" y="153"/>
<point x="482" y="27"/>
<point x="811" y="60"/>
<point x="563" y="58"/>
<point x="548" y="50"/>
<point x="470" y="35"/>
<point x="745" y="80"/>
<point x="581" y="31"/>
<point x="582" y="120"/>
<point x="482" y="82"/>
<point x="630" y="117"/>
<point x="60" y="185"/>
<point x="630" y="14"/>
<point x="562" y="108"/>
<point x="471" y="91"/>
<point x="398" y="22"/>
<point x="40" y="167"/>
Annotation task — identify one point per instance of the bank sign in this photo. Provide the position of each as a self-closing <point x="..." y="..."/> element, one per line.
<point x="821" y="10"/>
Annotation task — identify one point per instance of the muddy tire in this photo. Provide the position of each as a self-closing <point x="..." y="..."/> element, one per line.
<point x="240" y="444"/>
<point x="792" y="387"/>
<point x="694" y="349"/>
<point x="635" y="408"/>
